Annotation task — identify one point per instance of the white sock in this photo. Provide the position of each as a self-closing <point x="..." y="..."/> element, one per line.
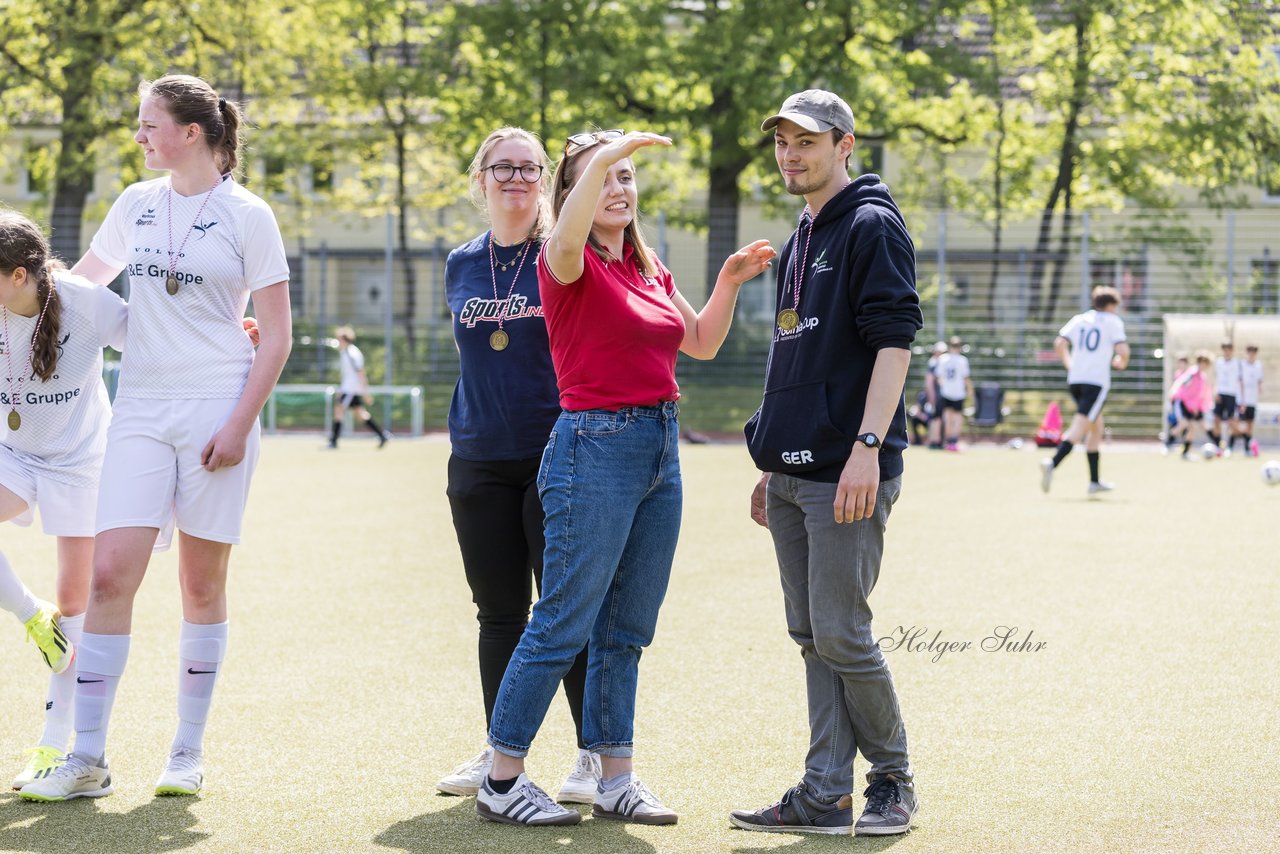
<point x="202" y="648"/>
<point x="101" y="660"/>
<point x="14" y="595"/>
<point x="59" y="708"/>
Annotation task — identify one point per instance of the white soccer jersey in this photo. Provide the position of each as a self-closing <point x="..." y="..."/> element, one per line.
<point x="952" y="370"/>
<point x="1228" y="373"/>
<point x="190" y="345"/>
<point x="351" y="362"/>
<point x="63" y="430"/>
<point x="1093" y="336"/>
<point x="1251" y="381"/>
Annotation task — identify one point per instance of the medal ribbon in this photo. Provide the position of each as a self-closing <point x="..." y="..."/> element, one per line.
<point x="493" y="276"/>
<point x="797" y="280"/>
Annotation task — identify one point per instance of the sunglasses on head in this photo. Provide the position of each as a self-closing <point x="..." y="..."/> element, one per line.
<point x="579" y="141"/>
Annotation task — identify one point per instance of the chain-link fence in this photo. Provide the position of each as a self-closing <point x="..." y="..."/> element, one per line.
<point x="1005" y="298"/>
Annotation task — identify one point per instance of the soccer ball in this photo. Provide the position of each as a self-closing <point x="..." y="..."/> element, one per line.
<point x="1209" y="450"/>
<point x="1271" y="473"/>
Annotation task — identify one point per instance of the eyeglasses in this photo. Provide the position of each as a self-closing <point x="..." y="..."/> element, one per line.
<point x="579" y="141"/>
<point x="504" y="172"/>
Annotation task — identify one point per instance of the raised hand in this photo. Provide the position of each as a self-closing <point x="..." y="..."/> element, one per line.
<point x="748" y="262"/>
<point x="624" y="146"/>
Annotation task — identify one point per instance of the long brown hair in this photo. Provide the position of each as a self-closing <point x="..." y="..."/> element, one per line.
<point x="542" y="223"/>
<point x="566" y="176"/>
<point x="191" y="100"/>
<point x="23" y="244"/>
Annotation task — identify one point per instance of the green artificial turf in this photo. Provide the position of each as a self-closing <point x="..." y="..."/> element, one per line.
<point x="1147" y="722"/>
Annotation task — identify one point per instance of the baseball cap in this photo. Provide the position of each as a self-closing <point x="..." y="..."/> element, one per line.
<point x="815" y="110"/>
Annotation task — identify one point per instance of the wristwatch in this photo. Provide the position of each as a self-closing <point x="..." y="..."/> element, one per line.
<point x="871" y="440"/>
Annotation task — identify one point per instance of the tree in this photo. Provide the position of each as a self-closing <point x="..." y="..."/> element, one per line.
<point x="76" y="65"/>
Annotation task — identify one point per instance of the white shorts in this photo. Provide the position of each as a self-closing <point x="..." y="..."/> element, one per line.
<point x="152" y="477"/>
<point x="65" y="510"/>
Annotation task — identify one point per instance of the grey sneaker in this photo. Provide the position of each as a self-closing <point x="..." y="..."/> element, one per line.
<point x="580" y="786"/>
<point x="632" y="802"/>
<point x="799" y="812"/>
<point x="1046" y="475"/>
<point x="525" y="804"/>
<point x="891" y="807"/>
<point x="1100" y="486"/>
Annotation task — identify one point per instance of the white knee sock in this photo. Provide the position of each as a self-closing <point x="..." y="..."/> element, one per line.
<point x="202" y="649"/>
<point x="14" y="595"/>
<point x="101" y="660"/>
<point x="59" y="708"/>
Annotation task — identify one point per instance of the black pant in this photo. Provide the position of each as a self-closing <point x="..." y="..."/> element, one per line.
<point x="498" y="517"/>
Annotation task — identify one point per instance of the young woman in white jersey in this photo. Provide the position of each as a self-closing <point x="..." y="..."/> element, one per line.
<point x="54" y="326"/>
<point x="184" y="436"/>
<point x="353" y="389"/>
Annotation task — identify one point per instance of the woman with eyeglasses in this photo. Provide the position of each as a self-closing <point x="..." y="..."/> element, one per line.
<point x="504" y="405"/>
<point x="609" y="478"/>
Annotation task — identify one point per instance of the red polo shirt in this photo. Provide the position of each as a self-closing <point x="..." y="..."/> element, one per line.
<point x="614" y="333"/>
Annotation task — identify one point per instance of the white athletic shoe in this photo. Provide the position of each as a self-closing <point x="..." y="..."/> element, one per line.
<point x="467" y="777"/>
<point x="184" y="775"/>
<point x="1100" y="486"/>
<point x="525" y="804"/>
<point x="43" y="762"/>
<point x="1046" y="475"/>
<point x="632" y="802"/>
<point x="74" y="778"/>
<point x="580" y="786"/>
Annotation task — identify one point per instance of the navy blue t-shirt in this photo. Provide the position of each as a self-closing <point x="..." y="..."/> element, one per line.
<point x="506" y="401"/>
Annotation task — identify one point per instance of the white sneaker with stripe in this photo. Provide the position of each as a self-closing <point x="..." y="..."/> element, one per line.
<point x="74" y="778"/>
<point x="632" y="802"/>
<point x="183" y="775"/>
<point x="525" y="804"/>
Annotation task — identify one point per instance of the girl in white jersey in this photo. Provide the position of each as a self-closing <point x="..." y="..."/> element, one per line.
<point x="54" y="327"/>
<point x="184" y="435"/>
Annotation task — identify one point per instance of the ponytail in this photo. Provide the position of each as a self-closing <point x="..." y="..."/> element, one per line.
<point x="44" y="346"/>
<point x="23" y="244"/>
<point x="191" y="100"/>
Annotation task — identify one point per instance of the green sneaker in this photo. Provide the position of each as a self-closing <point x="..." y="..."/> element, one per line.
<point x="43" y="629"/>
<point x="44" y="760"/>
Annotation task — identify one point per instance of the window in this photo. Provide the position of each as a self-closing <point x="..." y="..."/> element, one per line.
<point x="1126" y="275"/>
<point x="869" y="157"/>
<point x="274" y="175"/>
<point x="1264" y="282"/>
<point x="321" y="169"/>
<point x="38" y="163"/>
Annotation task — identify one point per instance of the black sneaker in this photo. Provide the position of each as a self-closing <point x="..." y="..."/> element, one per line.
<point x="798" y="812"/>
<point x="891" y="807"/>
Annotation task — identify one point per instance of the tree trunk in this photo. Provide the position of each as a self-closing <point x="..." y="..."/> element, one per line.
<point x="74" y="177"/>
<point x="403" y="208"/>
<point x="727" y="160"/>
<point x="1067" y="165"/>
<point x="998" y="163"/>
<point x="1066" y="172"/>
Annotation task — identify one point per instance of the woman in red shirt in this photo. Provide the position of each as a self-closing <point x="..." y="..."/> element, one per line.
<point x="610" y="475"/>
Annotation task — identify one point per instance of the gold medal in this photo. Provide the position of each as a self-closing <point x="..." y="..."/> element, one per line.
<point x="171" y="285"/>
<point x="499" y="340"/>
<point x="788" y="319"/>
<point x="15" y="420"/>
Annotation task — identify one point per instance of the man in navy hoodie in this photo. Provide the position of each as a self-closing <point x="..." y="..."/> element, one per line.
<point x="828" y="438"/>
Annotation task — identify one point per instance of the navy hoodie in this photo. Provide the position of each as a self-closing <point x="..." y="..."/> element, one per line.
<point x="858" y="295"/>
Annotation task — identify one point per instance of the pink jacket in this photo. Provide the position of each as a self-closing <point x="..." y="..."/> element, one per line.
<point x="1192" y="389"/>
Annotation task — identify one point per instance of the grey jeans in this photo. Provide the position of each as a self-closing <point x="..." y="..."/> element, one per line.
<point x="828" y="571"/>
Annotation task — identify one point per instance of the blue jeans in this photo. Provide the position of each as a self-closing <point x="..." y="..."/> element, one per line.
<point x="611" y="492"/>
<point x="828" y="571"/>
